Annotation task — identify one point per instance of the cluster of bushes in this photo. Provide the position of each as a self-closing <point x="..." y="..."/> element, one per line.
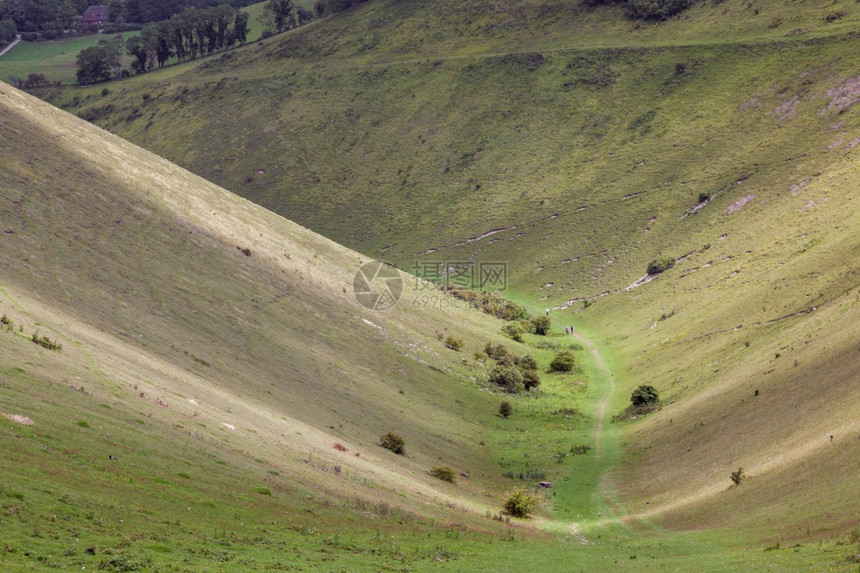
<point x="491" y="303"/>
<point x="540" y="325"/>
<point x="46" y="342"/>
<point x="7" y="324"/>
<point x="529" y="474"/>
<point x="512" y="373"/>
<point x="31" y="82"/>
<point x="646" y="9"/>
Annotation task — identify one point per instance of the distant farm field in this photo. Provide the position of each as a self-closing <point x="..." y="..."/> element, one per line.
<point x="56" y="58"/>
<point x="53" y="58"/>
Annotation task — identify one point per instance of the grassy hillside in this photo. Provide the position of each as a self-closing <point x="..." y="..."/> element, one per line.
<point x="211" y="355"/>
<point x="577" y="146"/>
<point x="200" y="331"/>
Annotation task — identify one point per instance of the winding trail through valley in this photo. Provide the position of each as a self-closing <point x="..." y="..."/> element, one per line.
<point x="606" y="380"/>
<point x="590" y="497"/>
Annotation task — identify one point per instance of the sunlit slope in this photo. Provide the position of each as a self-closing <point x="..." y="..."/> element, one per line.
<point x="573" y="163"/>
<point x="226" y="320"/>
<point x="753" y="343"/>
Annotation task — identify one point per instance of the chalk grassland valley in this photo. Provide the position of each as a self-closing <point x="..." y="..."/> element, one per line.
<point x="577" y="146"/>
<point x="208" y="395"/>
<point x="213" y="352"/>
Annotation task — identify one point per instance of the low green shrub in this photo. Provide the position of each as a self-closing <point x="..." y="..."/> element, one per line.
<point x="46" y="342"/>
<point x="443" y="473"/>
<point x="527" y="362"/>
<point x="643" y="400"/>
<point x="454" y="343"/>
<point x="508" y="378"/>
<point x="520" y="503"/>
<point x="531" y="380"/>
<point x="393" y="442"/>
<point x="563" y="361"/>
<point x="497" y="352"/>
<point x="541" y="325"/>
<point x="513" y="331"/>
<point x="658" y="266"/>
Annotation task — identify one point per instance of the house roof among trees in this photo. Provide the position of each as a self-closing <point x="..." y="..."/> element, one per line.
<point x="95" y="14"/>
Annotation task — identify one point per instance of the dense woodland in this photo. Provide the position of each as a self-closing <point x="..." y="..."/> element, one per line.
<point x="54" y="16"/>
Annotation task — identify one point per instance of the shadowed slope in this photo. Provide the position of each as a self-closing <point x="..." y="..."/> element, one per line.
<point x="177" y="292"/>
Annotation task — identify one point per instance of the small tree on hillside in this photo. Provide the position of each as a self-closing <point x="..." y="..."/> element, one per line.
<point x="98" y="63"/>
<point x="240" y="27"/>
<point x="644" y="396"/>
<point x="563" y="361"/>
<point x="279" y="14"/>
<point x="541" y="325"/>
<point x="520" y="503"/>
<point x="531" y="380"/>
